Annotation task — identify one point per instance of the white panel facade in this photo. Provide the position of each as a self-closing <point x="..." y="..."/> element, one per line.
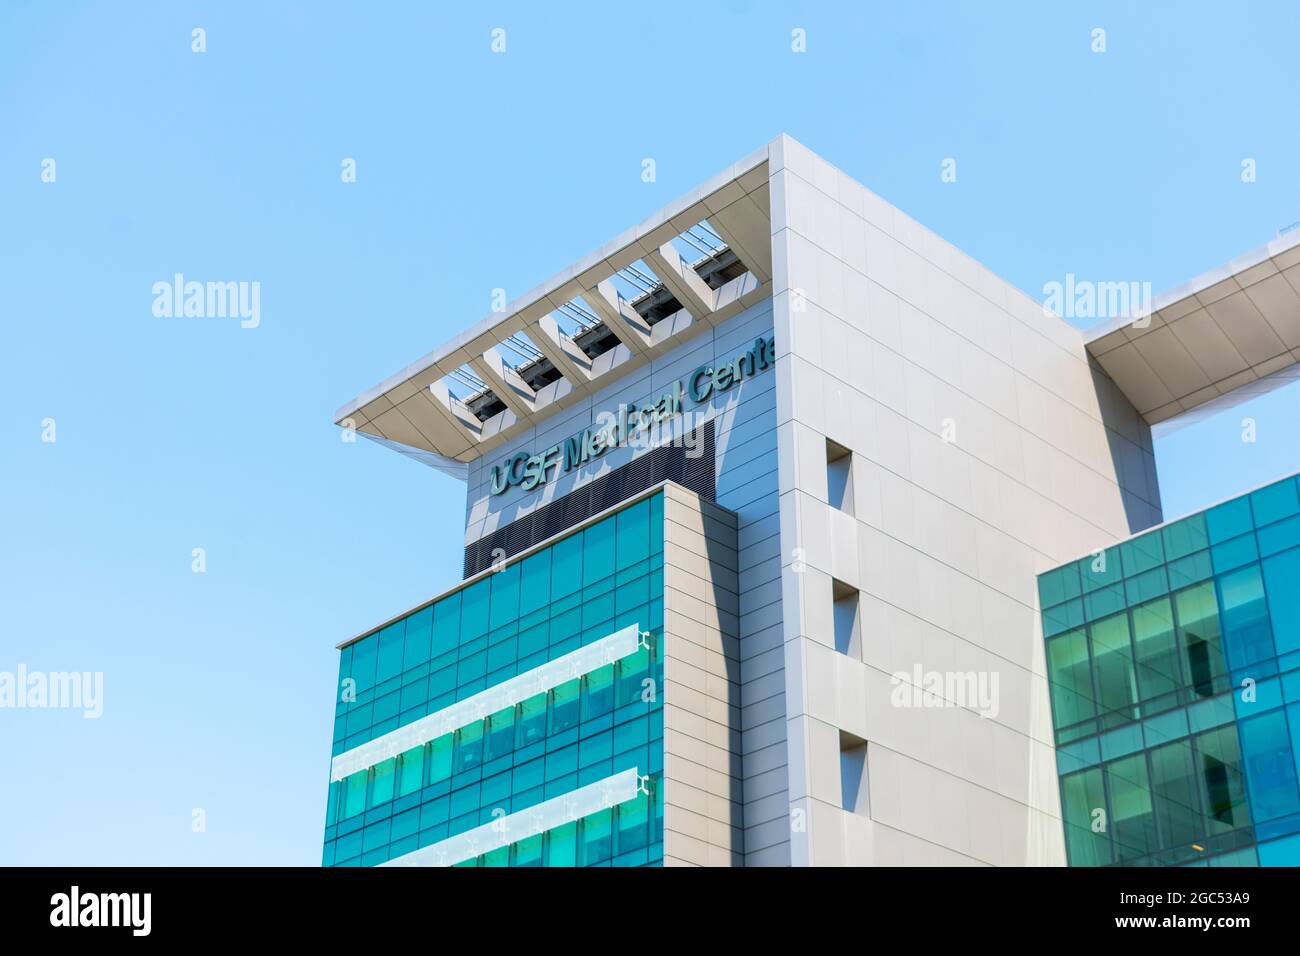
<point x="985" y="449"/>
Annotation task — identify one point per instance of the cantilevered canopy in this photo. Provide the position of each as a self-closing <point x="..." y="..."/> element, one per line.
<point x="695" y="263"/>
<point x="1219" y="339"/>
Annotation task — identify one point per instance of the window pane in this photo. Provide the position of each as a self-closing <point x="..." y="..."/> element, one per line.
<point x="633" y="534"/>
<point x="1132" y="816"/>
<point x="392" y="642"/>
<point x="562" y="845"/>
<point x="440" y="758"/>
<point x="1270" y="766"/>
<point x="597" y="838"/>
<point x="1222" y="785"/>
<point x="634" y="823"/>
<point x="1246" y="634"/>
<point x="381" y="789"/>
<point x="532" y="719"/>
<point x="566" y="566"/>
<point x="354" y="794"/>
<point x="1173" y="781"/>
<point x="501" y="738"/>
<point x="363" y="662"/>
<point x="1113" y="662"/>
<point x="505" y="596"/>
<point x="597" y="552"/>
<point x="474" y="610"/>
<point x="418" y="632"/>
<point x="1156" y="650"/>
<point x="632" y="670"/>
<point x="527" y="852"/>
<point x="1229" y="520"/>
<point x="1082" y="797"/>
<point x="598" y="692"/>
<point x="1070" y="679"/>
<point x="1198" y="635"/>
<point x="1142" y="554"/>
<point x="564" y="706"/>
<point x="446" y="625"/>
<point x="1185" y="537"/>
<point x="1275" y="502"/>
<point x="1282" y="582"/>
<point x="411" y="774"/>
<point x="535" y="581"/>
<point x="469" y="747"/>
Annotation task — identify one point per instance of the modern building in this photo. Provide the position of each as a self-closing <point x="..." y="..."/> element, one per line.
<point x="758" y="495"/>
<point x="1173" y="660"/>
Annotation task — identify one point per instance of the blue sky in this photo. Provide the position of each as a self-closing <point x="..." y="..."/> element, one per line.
<point x="475" y="171"/>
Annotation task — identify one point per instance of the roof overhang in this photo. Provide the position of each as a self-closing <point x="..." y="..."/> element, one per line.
<point x="416" y="411"/>
<point x="1218" y="340"/>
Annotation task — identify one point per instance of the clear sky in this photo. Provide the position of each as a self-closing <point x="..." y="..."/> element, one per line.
<point x="475" y="171"/>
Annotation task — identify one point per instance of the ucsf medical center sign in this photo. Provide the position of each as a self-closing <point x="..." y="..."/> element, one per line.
<point x="528" y="470"/>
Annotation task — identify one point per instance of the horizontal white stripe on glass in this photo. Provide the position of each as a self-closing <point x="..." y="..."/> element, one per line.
<point x="584" y="660"/>
<point x="548" y="815"/>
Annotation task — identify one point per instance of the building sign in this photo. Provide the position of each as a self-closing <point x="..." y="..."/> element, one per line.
<point x="527" y="470"/>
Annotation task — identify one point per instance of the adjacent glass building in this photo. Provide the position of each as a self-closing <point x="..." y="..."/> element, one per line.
<point x="1174" y="671"/>
<point x="496" y="728"/>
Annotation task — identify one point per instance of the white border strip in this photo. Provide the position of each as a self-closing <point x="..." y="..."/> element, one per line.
<point x="548" y="815"/>
<point x="584" y="660"/>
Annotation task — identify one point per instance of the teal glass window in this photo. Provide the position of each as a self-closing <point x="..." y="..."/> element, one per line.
<point x="1142" y="553"/>
<point x="410" y="775"/>
<point x="354" y="793"/>
<point x="598" y="693"/>
<point x="1059" y="586"/>
<point x="381" y="785"/>
<point x="1132" y="809"/>
<point x="1174" y="789"/>
<point x="1270" y="766"/>
<point x="1112" y="653"/>
<point x="532" y="720"/>
<point x="1155" y="649"/>
<point x="1181" y="538"/>
<point x="1275" y="502"/>
<point x="597" y="838"/>
<point x="562" y="845"/>
<point x="392" y="644"/>
<point x="1069" y="674"/>
<point x="551" y="602"/>
<point x="440" y="752"/>
<point x="1246" y="633"/>
<point x="1282" y="591"/>
<point x="1200" y="640"/>
<point x="564" y="708"/>
<point x="501" y="735"/>
<point x="1083" y="805"/>
<point x="535" y="582"/>
<point x="597" y="552"/>
<point x="1228" y="520"/>
<point x="469" y="747"/>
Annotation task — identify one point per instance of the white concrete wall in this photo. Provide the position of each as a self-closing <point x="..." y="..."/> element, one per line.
<point x="899" y="333"/>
